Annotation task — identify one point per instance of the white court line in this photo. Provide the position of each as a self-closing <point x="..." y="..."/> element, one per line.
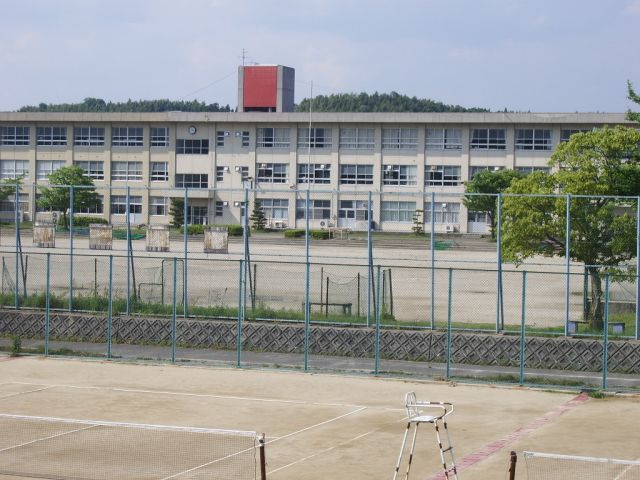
<point x="46" y="438"/>
<point x="26" y="391"/>
<point x="199" y="395"/>
<point x="622" y="474"/>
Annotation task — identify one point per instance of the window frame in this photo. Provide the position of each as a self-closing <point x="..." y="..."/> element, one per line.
<point x="272" y="173"/>
<point x="127" y="137"/>
<point x="541" y="139"/>
<point x="320" y="173"/>
<point x="24" y="169"/>
<point x="357" y="138"/>
<point x="158" y="139"/>
<point x="15" y="136"/>
<point x="273" y="137"/>
<point x="356" y="174"/>
<point x="157" y="204"/>
<point x="192" y="146"/>
<point x="400" y="138"/>
<point x="397" y="211"/>
<point x="202" y="181"/>
<point x="89" y="136"/>
<point x="446" y="141"/>
<point x="399" y="175"/>
<point x="51" y="136"/>
<point x="318" y="140"/>
<point x="158" y="175"/>
<point x="488" y="139"/>
<point x="91" y="171"/>
<point x="132" y="172"/>
<point x="39" y="163"/>
<point x="447" y="176"/>
<point x="319" y="209"/>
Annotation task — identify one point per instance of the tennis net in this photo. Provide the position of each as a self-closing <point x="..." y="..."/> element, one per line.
<point x="551" y="466"/>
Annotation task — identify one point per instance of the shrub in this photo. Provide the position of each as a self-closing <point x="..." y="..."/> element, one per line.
<point x="235" y="230"/>
<point x="193" y="229"/>
<point x="319" y="234"/>
<point x="293" y="233"/>
<point x="81" y="221"/>
<point x="16" y="346"/>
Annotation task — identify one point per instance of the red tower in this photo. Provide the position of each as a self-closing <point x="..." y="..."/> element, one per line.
<point x="266" y="88"/>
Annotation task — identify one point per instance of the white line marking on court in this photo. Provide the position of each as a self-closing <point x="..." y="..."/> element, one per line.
<point x="26" y="391"/>
<point x="46" y="438"/>
<point x="271" y="472"/>
<point x="200" y="395"/>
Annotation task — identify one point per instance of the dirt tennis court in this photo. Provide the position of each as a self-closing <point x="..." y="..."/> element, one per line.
<point x="324" y="426"/>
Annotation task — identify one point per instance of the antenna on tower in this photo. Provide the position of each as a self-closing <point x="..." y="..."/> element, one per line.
<point x="244" y="55"/>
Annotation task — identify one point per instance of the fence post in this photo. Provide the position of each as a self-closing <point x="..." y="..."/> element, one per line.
<point x="174" y="310"/>
<point x="369" y="262"/>
<point x="47" y="306"/>
<point x="18" y="249"/>
<point x="184" y="264"/>
<point x="240" y="316"/>
<point x="605" y="343"/>
<point x="567" y="254"/>
<point x="128" y="220"/>
<point x="448" y="336"/>
<point x="523" y="344"/>
<point x="378" y="318"/>
<point x="71" y="201"/>
<point x="110" y="307"/>
<point x="638" y="268"/>
<point x="433" y="261"/>
<point x="499" y="313"/>
<point x="307" y="312"/>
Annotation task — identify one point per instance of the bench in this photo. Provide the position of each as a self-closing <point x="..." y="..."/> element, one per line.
<point x="617" y="328"/>
<point x="346" y="307"/>
<point x="342" y="232"/>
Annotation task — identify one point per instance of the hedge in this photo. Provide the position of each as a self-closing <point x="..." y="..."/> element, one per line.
<point x="79" y="221"/>
<point x="315" y="234"/>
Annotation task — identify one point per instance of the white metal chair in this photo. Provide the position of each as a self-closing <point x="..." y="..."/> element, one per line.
<point x="437" y="413"/>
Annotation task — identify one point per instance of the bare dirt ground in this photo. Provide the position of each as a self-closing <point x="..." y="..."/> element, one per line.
<point x="324" y="426"/>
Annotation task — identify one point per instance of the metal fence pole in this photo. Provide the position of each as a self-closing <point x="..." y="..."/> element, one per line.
<point x="448" y="336"/>
<point x="605" y="342"/>
<point x="567" y="254"/>
<point x="18" y="249"/>
<point x="499" y="318"/>
<point x="186" y="254"/>
<point x="637" y="269"/>
<point x="128" y="219"/>
<point x="174" y="311"/>
<point x="369" y="261"/>
<point x="71" y="201"/>
<point x="240" y="316"/>
<point x="378" y="318"/>
<point x="433" y="261"/>
<point x="523" y="344"/>
<point x="110" y="307"/>
<point x="47" y="305"/>
<point x="307" y="305"/>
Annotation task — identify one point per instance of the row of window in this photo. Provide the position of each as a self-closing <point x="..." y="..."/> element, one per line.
<point x="273" y="137"/>
<point x="392" y="175"/>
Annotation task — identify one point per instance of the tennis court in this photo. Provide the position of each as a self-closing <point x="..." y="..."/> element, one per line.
<point x="316" y="426"/>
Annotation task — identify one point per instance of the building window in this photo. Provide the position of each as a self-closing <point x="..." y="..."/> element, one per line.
<point x="442" y="212"/>
<point x="273" y="138"/>
<point x="356" y="174"/>
<point x="318" y="209"/>
<point x="357" y="138"/>
<point x="314" y="173"/>
<point x="14" y="136"/>
<point x="159" y="136"/>
<point x="244" y="173"/>
<point x="320" y="137"/>
<point x="220" y="134"/>
<point x="488" y="139"/>
<point x="192" y="180"/>
<point x="96" y="209"/>
<point x="273" y="172"/>
<point x="444" y="139"/>
<point x="159" y="172"/>
<point x="51" y="136"/>
<point x="197" y="215"/>
<point x="157" y="206"/>
<point x="44" y="168"/>
<point x="88" y="136"/>
<point x="473" y="171"/>
<point x="275" y="208"/>
<point x="565" y="134"/>
<point x="192" y="147"/>
<point x="220" y="209"/>
<point x="404" y="175"/>
<point x="528" y="170"/>
<point x="399" y="138"/>
<point x="441" y="176"/>
<point x="127" y="137"/>
<point x="245" y="138"/>
<point x="119" y="204"/>
<point x="14" y="168"/>
<point x="126" y="171"/>
<point x="220" y="171"/>
<point x="533" y="139"/>
<point x="478" y="217"/>
<point x="92" y="169"/>
<point x="354" y="209"/>
<point x="9" y="203"/>
<point x="397" y="211"/>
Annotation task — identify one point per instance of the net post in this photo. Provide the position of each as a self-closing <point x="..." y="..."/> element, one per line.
<point x="185" y="240"/>
<point x="110" y="307"/>
<point x="173" y="313"/>
<point x="71" y="232"/>
<point x="377" y="330"/>
<point x="263" y="461"/>
<point x="513" y="460"/>
<point x="448" y="336"/>
<point x="522" y="327"/>
<point x="47" y="306"/>
<point x="605" y="340"/>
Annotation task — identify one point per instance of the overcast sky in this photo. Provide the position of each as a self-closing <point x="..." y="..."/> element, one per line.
<point x="537" y="55"/>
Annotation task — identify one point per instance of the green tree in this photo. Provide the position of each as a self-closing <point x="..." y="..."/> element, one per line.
<point x="258" y="220"/>
<point x="176" y="210"/>
<point x="8" y="187"/>
<point x="489" y="182"/>
<point x="606" y="163"/>
<point x="59" y="198"/>
<point x="634" y="97"/>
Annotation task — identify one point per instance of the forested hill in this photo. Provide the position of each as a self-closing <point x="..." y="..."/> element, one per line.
<point x="378" y="102"/>
<point x="99" y="105"/>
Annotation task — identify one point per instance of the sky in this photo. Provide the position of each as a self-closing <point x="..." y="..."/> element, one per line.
<point x="523" y="55"/>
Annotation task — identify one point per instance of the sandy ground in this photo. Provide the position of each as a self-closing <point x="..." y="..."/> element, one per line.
<point x="324" y="426"/>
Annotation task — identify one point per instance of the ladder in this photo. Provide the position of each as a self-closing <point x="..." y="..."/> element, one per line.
<point x="438" y="419"/>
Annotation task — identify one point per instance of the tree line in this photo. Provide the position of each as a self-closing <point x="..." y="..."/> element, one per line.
<point x="99" y="105"/>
